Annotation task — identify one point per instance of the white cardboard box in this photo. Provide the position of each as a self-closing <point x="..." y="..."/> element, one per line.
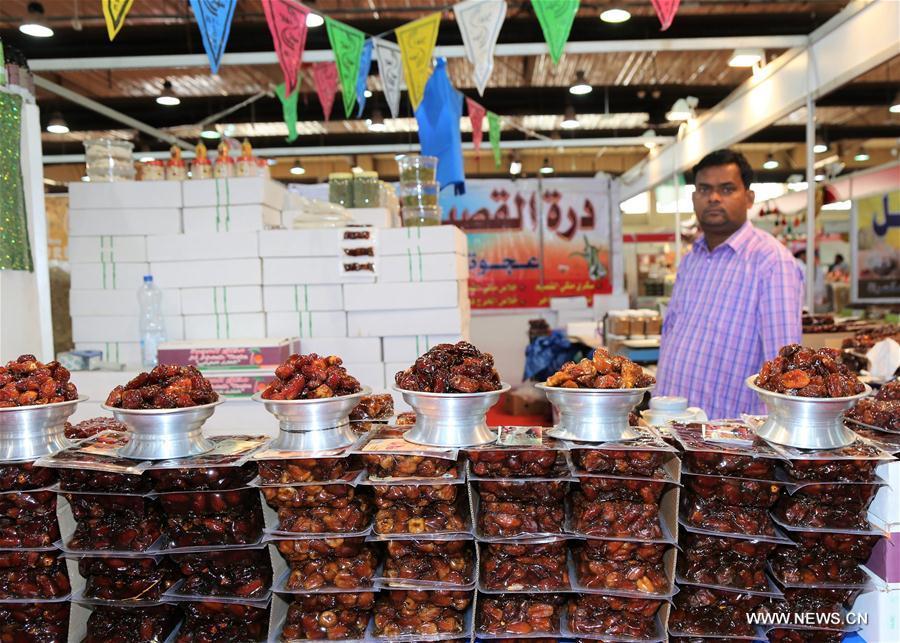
<point x="224" y="326"/>
<point x="108" y="276"/>
<point x="424" y="239"/>
<point x="375" y="217"/>
<point x="108" y="303"/>
<point x="107" y="249"/>
<point x="369" y="374"/>
<point x="234" y="191"/>
<point x="391" y="323"/>
<point x="310" y="242"/>
<point x="423" y="267"/>
<point x="203" y="274"/>
<point x="357" y="349"/>
<point x="303" y="297"/>
<point x="150" y="221"/>
<point x="221" y="299"/>
<point x="120" y="195"/>
<point x="298" y="270"/>
<point x="118" y="352"/>
<point x="408" y="349"/>
<point x="234" y="218"/>
<point x="390" y="296"/>
<point x="307" y="324"/>
<point x="124" y="328"/>
<point x="220" y="245"/>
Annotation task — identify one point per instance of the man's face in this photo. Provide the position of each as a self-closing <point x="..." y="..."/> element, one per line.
<point x="721" y="200"/>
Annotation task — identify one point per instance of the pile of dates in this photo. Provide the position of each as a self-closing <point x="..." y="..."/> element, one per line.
<point x="373" y="408"/>
<point x="202" y="478"/>
<point x="890" y="391"/>
<point x="701" y="611"/>
<point x="727" y="562"/>
<point x="164" y="387"/>
<point x="240" y="524"/>
<point x="19" y="476"/>
<point x="241" y="573"/>
<point x="343" y="563"/>
<point x="451" y="562"/>
<point x="852" y="463"/>
<point x="33" y="622"/>
<point x="514" y="463"/>
<point x="524" y="566"/>
<point x="32" y="574"/>
<point x="211" y="622"/>
<point x="728" y="519"/>
<point x="798" y="566"/>
<point x="26" y="382"/>
<point x="599" y="614"/>
<point x="603" y="371"/>
<point x="515" y="508"/>
<point x="805" y="372"/>
<point x="399" y="612"/>
<point x="420" y="509"/>
<point x="114" y="522"/>
<point x="108" y="624"/>
<point x="92" y="426"/>
<point x="623" y="462"/>
<point x="615" y="518"/>
<point x="621" y="565"/>
<point x="451" y="368"/>
<point x="881" y="413"/>
<point x="306" y="377"/>
<point x="519" y="613"/>
<point x="28" y="519"/>
<point x="124" y="579"/>
<point x="328" y="616"/>
<point x="302" y="470"/>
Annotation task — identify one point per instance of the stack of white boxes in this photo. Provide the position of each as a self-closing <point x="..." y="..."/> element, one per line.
<point x="225" y="275"/>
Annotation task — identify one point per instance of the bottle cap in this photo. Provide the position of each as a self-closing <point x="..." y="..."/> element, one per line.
<point x="148" y="279"/>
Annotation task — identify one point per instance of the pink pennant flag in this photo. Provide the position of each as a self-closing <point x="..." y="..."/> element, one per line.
<point x="325" y="76"/>
<point x="287" y="22"/>
<point x="665" y="11"/>
<point x="476" y="116"/>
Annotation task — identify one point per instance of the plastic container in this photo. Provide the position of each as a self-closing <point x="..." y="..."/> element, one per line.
<point x="653" y="324"/>
<point x="636" y="324"/>
<point x="619" y="322"/>
<point x="421" y="216"/>
<point x="366" y="190"/>
<point x="340" y="188"/>
<point x="153" y="171"/>
<point x="416" y="169"/>
<point x="108" y="159"/>
<point x="201" y="169"/>
<point x="153" y="331"/>
<point x="422" y="194"/>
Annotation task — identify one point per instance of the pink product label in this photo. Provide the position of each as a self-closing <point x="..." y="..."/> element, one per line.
<point x="885" y="560"/>
<point x="225" y="357"/>
<point x="239" y="385"/>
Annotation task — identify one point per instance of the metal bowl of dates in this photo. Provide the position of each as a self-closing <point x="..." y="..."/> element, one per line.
<point x="593" y="414"/>
<point x="31" y="432"/>
<point x="315" y="424"/>
<point x="805" y="422"/>
<point x="451" y="419"/>
<point x="161" y="434"/>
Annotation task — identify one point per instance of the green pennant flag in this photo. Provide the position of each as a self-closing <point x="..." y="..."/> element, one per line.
<point x="347" y="44"/>
<point x="289" y="109"/>
<point x="494" y="134"/>
<point x="556" y="18"/>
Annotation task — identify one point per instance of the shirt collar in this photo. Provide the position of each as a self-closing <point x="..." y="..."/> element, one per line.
<point x="736" y="241"/>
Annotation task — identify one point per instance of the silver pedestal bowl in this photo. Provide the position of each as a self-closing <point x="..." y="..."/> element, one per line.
<point x="31" y="432"/>
<point x="805" y="422"/>
<point x="593" y="415"/>
<point x="321" y="424"/>
<point x="451" y="419"/>
<point x="163" y="434"/>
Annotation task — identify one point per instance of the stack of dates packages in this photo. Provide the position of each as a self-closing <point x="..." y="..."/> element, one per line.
<point x="727" y="532"/>
<point x="623" y="511"/>
<point x="518" y="489"/>
<point x="423" y="526"/>
<point x="317" y="519"/>
<point x="213" y="528"/>
<point x="823" y="508"/>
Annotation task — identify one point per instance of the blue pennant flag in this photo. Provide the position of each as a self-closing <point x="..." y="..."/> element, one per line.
<point x="365" y="62"/>
<point x="214" y="19"/>
<point x="438" y="117"/>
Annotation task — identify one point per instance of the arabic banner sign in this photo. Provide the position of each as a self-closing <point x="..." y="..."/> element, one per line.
<point x="875" y="244"/>
<point x="532" y="239"/>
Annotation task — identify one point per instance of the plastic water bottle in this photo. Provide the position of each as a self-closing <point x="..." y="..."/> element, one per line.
<point x="153" y="330"/>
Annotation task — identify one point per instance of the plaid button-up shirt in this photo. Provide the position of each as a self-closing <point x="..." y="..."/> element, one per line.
<point x="732" y="308"/>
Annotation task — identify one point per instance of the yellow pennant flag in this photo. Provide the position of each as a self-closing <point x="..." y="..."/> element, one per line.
<point x="115" y="11"/>
<point x="417" y="40"/>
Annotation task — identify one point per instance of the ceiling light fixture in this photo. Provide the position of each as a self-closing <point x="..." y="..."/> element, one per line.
<point x="895" y="104"/>
<point x="615" y="16"/>
<point x="297" y="169"/>
<point x="570" y="121"/>
<point x="314" y="20"/>
<point x="821" y="146"/>
<point x="682" y="110"/>
<point x="376" y="123"/>
<point x="746" y="57"/>
<point x="56" y="124"/>
<point x="649" y="137"/>
<point x="546" y="168"/>
<point x="210" y="132"/>
<point x="861" y="155"/>
<point x="35" y="25"/>
<point x="581" y="86"/>
<point x="515" y="166"/>
<point x="771" y="163"/>
<point x="368" y="93"/>
<point x="167" y="97"/>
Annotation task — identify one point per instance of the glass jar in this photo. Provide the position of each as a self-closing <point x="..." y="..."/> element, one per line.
<point x="201" y="169"/>
<point x="153" y="171"/>
<point x="423" y="194"/>
<point x="366" y="190"/>
<point x="416" y="169"/>
<point x="421" y="216"/>
<point x="340" y="188"/>
<point x="176" y="170"/>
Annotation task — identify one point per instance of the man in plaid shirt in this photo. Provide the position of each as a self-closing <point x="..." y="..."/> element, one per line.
<point x="737" y="299"/>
